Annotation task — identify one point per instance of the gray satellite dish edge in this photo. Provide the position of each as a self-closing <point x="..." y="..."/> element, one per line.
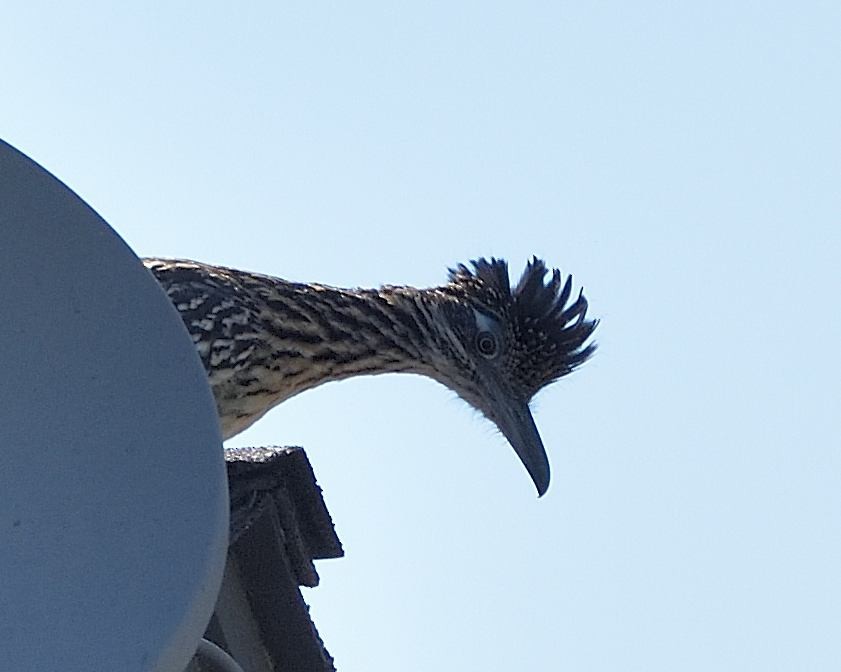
<point x="113" y="529"/>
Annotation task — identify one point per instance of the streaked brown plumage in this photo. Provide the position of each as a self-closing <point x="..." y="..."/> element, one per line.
<point x="263" y="339"/>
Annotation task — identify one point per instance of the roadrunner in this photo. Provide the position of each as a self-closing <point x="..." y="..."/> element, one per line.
<point x="263" y="339"/>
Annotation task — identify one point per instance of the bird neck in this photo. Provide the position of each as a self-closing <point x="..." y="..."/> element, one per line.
<point x="332" y="334"/>
<point x="313" y="334"/>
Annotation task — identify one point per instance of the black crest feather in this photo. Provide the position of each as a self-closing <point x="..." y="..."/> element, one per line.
<point x="549" y="331"/>
<point x="492" y="274"/>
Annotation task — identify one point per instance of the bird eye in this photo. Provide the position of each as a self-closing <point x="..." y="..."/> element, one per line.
<point x="486" y="344"/>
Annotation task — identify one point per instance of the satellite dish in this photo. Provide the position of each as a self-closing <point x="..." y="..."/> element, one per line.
<point x="113" y="524"/>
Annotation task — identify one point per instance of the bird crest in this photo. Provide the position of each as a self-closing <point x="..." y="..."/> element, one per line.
<point x="547" y="332"/>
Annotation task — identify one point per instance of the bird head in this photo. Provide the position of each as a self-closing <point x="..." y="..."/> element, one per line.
<point x="511" y="343"/>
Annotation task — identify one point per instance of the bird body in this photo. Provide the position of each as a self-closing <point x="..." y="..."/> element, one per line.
<point x="263" y="339"/>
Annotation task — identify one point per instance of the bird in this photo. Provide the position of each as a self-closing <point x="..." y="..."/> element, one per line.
<point x="263" y="339"/>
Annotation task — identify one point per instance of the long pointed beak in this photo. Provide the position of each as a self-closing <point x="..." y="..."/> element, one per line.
<point x="517" y="425"/>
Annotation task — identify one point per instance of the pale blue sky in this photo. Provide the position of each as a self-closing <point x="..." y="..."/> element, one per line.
<point x="680" y="159"/>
